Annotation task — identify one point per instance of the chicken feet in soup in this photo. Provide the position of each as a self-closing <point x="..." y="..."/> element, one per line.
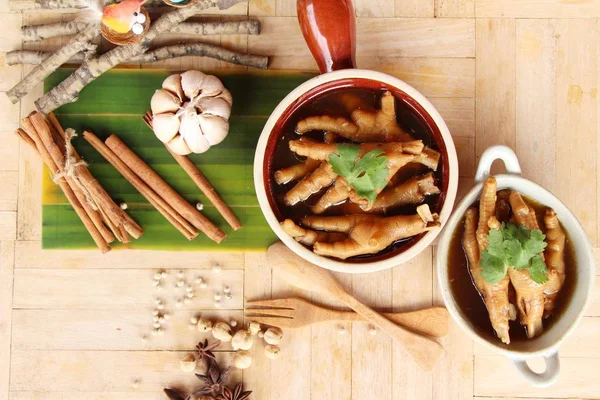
<point x="514" y="266"/>
<point x="363" y="185"/>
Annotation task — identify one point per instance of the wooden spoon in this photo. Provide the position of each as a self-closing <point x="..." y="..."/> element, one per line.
<point x="304" y="275"/>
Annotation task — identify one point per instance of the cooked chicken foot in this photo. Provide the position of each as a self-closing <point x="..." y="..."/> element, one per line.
<point x="321" y="151"/>
<point x="495" y="295"/>
<point x="555" y="259"/>
<point x="295" y="172"/>
<point x="365" y="126"/>
<point x="369" y="234"/>
<point x="321" y="177"/>
<point x="413" y="191"/>
<point x="333" y="196"/>
<point x="530" y="295"/>
<point x="487" y="208"/>
<point x="309" y="237"/>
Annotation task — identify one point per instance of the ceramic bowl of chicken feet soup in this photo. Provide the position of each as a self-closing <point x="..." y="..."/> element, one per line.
<point x="515" y="267"/>
<point x="355" y="170"/>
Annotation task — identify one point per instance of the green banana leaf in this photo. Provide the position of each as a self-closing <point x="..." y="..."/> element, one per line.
<point x="115" y="103"/>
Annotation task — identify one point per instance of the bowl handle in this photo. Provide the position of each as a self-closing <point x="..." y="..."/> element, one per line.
<point x="504" y="153"/>
<point x="329" y="29"/>
<point x="546" y="378"/>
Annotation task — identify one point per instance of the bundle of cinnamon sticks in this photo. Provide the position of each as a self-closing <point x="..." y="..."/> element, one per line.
<point x="181" y="214"/>
<point x="101" y="216"/>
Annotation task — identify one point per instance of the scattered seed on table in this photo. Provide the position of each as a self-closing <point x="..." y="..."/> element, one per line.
<point x="160" y="331"/>
<point x="162" y="320"/>
<point x="226" y="289"/>
<point x="180" y="283"/>
<point x="135" y="384"/>
<point x="203" y="285"/>
<point x="123" y="206"/>
<point x="217" y="297"/>
<point x="156" y="318"/>
<point x="372" y="331"/>
<point x="180" y="274"/>
<point x="216" y="268"/>
<point x="199" y="279"/>
<point x="167" y="316"/>
<point x="229" y="296"/>
<point x="199" y="206"/>
<point x="178" y="304"/>
<point x="160" y="306"/>
<point x="163" y="274"/>
<point x="233" y="323"/>
<point x="144" y="338"/>
<point x="194" y="320"/>
<point x="189" y="288"/>
<point x="155" y="312"/>
<point x="261" y="334"/>
<point x="157" y="276"/>
<point x="190" y="295"/>
<point x="341" y="330"/>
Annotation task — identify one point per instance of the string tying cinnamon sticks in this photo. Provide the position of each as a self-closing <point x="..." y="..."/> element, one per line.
<point x="102" y="218"/>
<point x="163" y="197"/>
<point x="203" y="184"/>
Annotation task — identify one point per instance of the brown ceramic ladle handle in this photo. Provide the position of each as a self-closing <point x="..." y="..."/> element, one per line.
<point x="329" y="28"/>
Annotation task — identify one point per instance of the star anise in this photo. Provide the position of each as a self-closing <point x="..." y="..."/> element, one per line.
<point x="204" y="350"/>
<point x="173" y="395"/>
<point x="214" y="380"/>
<point x="235" y="394"/>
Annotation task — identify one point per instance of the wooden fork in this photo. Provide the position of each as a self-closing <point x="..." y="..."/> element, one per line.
<point x="296" y="313"/>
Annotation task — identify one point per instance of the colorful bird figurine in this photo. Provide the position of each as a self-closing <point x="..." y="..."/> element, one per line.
<point x="125" y="16"/>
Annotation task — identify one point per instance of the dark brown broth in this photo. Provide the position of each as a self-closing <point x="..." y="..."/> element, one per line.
<point x="469" y="301"/>
<point x="341" y="103"/>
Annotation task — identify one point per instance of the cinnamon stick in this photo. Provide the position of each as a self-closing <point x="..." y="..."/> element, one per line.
<point x="157" y="202"/>
<point x="209" y="191"/>
<point x="58" y="157"/>
<point x="23" y="135"/>
<point x="30" y="130"/>
<point x="155" y="182"/>
<point x="97" y="192"/>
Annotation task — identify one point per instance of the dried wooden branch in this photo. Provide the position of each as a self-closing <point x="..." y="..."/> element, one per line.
<point x="45" y="31"/>
<point x="159" y="54"/>
<point x="68" y="90"/>
<point x="40" y="32"/>
<point x="42" y="71"/>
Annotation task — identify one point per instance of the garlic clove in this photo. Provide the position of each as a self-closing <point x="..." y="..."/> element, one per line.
<point x="191" y="132"/>
<point x="164" y="101"/>
<point x="214" y="106"/>
<point x="272" y="351"/>
<point x="242" y="340"/>
<point x="242" y="359"/>
<point x="179" y="146"/>
<point x="211" y="86"/>
<point x="173" y="85"/>
<point x="215" y="128"/>
<point x="273" y="336"/>
<point x="192" y="82"/>
<point x="165" y="126"/>
<point x="226" y="95"/>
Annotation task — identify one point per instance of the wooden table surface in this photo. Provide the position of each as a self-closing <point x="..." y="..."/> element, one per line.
<point x="523" y="73"/>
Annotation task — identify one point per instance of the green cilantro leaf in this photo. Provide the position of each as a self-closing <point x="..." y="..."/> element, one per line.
<point x="367" y="175"/>
<point x="514" y="246"/>
<point x="537" y="270"/>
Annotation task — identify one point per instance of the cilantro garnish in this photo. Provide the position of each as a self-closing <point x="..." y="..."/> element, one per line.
<point x="367" y="175"/>
<point x="517" y="247"/>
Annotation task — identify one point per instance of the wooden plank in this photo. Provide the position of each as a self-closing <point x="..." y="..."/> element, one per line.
<point x="11" y="28"/>
<point x="118" y="289"/>
<point x="9" y="182"/>
<point x="435" y="77"/>
<point x="409" y="381"/>
<point x="582" y="343"/>
<point x="465" y="148"/>
<point x="29" y="254"/>
<point x="593" y="309"/>
<point x="120" y="329"/>
<point x="262" y="8"/>
<point x="416" y="37"/>
<point x="536" y="143"/>
<point x="455" y="8"/>
<point x="30" y="194"/>
<point x="257" y="285"/>
<point x="374" y="8"/>
<point x="331" y="356"/>
<point x="495" y="85"/>
<point x="372" y="355"/>
<point x="458" y="113"/>
<point x="9" y="113"/>
<point x="415" y="8"/>
<point x="578" y="378"/>
<point x="392" y="37"/>
<point x="9" y="75"/>
<point x="9" y="152"/>
<point x="98" y="371"/>
<point x="8" y="225"/>
<point x="453" y="375"/>
<point x="285" y="8"/>
<point x="576" y="88"/>
<point x="289" y="371"/>
<point x="107" y="395"/>
<point x="537" y="8"/>
<point x="7" y="252"/>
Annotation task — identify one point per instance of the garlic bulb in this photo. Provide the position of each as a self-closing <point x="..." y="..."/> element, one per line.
<point x="191" y="112"/>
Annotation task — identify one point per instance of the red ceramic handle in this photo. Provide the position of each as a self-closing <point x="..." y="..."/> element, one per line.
<point x="329" y="29"/>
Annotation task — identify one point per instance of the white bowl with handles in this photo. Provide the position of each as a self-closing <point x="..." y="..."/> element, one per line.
<point x="547" y="344"/>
